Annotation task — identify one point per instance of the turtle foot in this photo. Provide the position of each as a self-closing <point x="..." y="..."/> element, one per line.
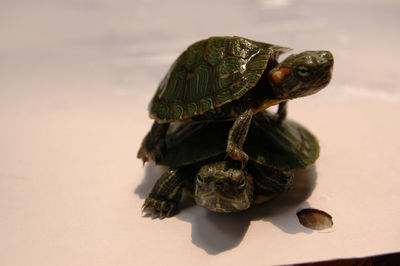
<point x="159" y="150"/>
<point x="150" y="152"/>
<point x="159" y="208"/>
<point x="237" y="154"/>
<point x="153" y="145"/>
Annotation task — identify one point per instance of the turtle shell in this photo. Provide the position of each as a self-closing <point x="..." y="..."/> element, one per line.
<point x="284" y="146"/>
<point x="209" y="74"/>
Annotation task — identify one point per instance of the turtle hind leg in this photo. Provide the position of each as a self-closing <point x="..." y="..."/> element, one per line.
<point x="153" y="145"/>
<point x="165" y="195"/>
<point x="237" y="136"/>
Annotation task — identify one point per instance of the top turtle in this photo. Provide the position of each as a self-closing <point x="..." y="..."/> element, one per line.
<point x="232" y="78"/>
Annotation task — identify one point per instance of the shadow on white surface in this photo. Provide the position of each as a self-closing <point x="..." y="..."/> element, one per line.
<point x="217" y="232"/>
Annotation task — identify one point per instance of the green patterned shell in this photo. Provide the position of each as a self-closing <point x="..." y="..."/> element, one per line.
<point x="209" y="74"/>
<point x="282" y="146"/>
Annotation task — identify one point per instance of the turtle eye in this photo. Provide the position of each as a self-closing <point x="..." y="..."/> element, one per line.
<point x="242" y="182"/>
<point x="303" y="71"/>
<point x="199" y="179"/>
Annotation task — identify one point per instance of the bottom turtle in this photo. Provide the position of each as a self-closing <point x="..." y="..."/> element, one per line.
<point x="196" y="158"/>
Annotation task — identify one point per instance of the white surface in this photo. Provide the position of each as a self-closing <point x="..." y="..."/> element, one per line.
<point x="75" y="80"/>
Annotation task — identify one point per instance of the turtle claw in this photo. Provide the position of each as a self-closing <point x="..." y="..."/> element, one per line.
<point x="143" y="154"/>
<point x="153" y="145"/>
<point x="159" y="209"/>
<point x="151" y="153"/>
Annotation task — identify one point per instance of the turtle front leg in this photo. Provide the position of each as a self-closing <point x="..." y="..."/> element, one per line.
<point x="237" y="137"/>
<point x="153" y="145"/>
<point x="165" y="195"/>
<point x="282" y="112"/>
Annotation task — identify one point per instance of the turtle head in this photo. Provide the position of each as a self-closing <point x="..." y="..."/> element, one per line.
<point x="301" y="74"/>
<point x="223" y="187"/>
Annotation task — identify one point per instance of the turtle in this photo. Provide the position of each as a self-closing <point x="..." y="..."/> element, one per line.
<point x="232" y="78"/>
<point x="197" y="161"/>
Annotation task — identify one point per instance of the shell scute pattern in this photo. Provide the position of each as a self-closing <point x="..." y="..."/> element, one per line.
<point x="194" y="54"/>
<point x="192" y="109"/>
<point x="240" y="88"/>
<point x="207" y="104"/>
<point x="258" y="62"/>
<point x="176" y="81"/>
<point x="245" y="48"/>
<point x="198" y="83"/>
<point x="178" y="112"/>
<point x="163" y="111"/>
<point x="216" y="51"/>
<point x="251" y="77"/>
<point x="224" y="96"/>
<point x="208" y="74"/>
<point x="228" y="72"/>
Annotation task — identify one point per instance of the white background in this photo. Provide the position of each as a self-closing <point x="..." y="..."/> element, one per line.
<point x="75" y="80"/>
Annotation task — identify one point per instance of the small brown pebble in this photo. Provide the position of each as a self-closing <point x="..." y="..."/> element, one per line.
<point x="315" y="219"/>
